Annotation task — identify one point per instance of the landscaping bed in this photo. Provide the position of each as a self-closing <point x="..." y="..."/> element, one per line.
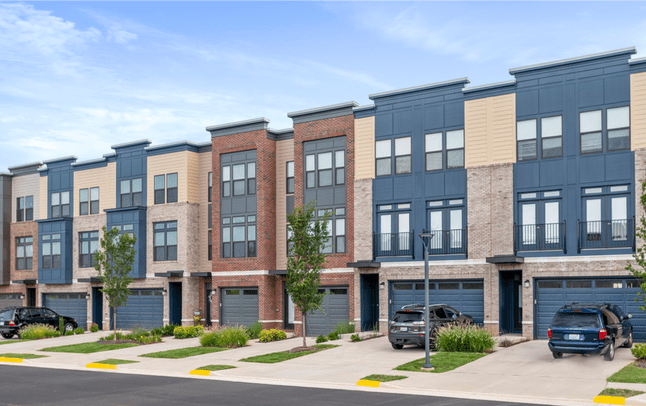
<point x="183" y="352"/>
<point x="88" y="348"/>
<point x="442" y="361"/>
<point x="631" y="373"/>
<point x="214" y="367"/>
<point x="383" y="378"/>
<point x="114" y="361"/>
<point x="22" y="356"/>
<point x="281" y="356"/>
<point x="624" y="393"/>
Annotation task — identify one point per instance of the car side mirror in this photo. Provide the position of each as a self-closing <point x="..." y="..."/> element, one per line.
<point x="630" y="316"/>
<point x="455" y="316"/>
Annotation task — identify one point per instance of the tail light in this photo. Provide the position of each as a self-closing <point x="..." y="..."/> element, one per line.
<point x="549" y="332"/>
<point x="11" y="323"/>
<point x="602" y="334"/>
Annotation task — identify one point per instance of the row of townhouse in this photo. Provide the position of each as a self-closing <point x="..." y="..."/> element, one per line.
<point x="528" y="190"/>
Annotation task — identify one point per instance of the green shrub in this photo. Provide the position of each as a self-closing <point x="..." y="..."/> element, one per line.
<point x="272" y="335"/>
<point x="321" y="339"/>
<point x="149" y="339"/>
<point x="169" y="329"/>
<point x="69" y="333"/>
<point x="61" y="324"/>
<point x="333" y="336"/>
<point x="355" y="338"/>
<point x="79" y="331"/>
<point x="36" y="331"/>
<point x="94" y="328"/>
<point x="639" y="351"/>
<point x="464" y="339"/>
<point x="188" y="332"/>
<point x="344" y="327"/>
<point x="120" y="336"/>
<point x="254" y="330"/>
<point x="157" y="331"/>
<point x="225" y="337"/>
<point x="199" y="330"/>
<point x="139" y="332"/>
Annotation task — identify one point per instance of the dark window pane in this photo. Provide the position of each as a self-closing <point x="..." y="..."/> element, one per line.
<point x="29" y="263"/>
<point x="578" y="284"/>
<point x="433" y="161"/>
<point x="94" y="207"/>
<point x="226" y="189"/>
<point x="340" y="244"/>
<point x="290" y="185"/>
<point x="226" y="250"/>
<point x="20" y="263"/>
<point x="83" y="209"/>
<point x="252" y="186"/>
<point x="238" y="188"/>
<point x="448" y="286"/>
<point x="251" y="249"/>
<point x="402" y="286"/>
<point x="552" y="147"/>
<point x="172" y="253"/>
<point x="472" y="285"/>
<point x="56" y="261"/>
<point x="159" y="196"/>
<point x="455" y="158"/>
<point x="47" y="262"/>
<point x="238" y="250"/>
<point x="56" y="211"/>
<point x="402" y="164"/>
<point x="172" y="195"/>
<point x="383" y="167"/>
<point x="137" y="199"/>
<point x="126" y="201"/>
<point x="325" y="178"/>
<point x="159" y="253"/>
<point x="210" y="220"/>
<point x="618" y="139"/>
<point x="340" y="176"/>
<point x="591" y="143"/>
<point x="311" y="180"/>
<point x="66" y="210"/>
<point x="526" y="150"/>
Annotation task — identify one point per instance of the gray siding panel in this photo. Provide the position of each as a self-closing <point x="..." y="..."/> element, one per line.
<point x="336" y="309"/>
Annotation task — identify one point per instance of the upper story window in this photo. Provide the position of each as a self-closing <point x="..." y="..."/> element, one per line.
<point x="88" y="246"/>
<point x="551" y="131"/>
<point x="25" y="208"/>
<point x="51" y="251"/>
<point x="132" y="192"/>
<point x="435" y="152"/>
<point x="60" y="204"/>
<point x="24" y="252"/>
<point x="527" y="147"/>
<point x="239" y="236"/>
<point x="552" y="137"/>
<point x="89" y="201"/>
<point x="166" y="188"/>
<point x="239" y="177"/>
<point x="210" y="186"/>
<point x="606" y="223"/>
<point x="290" y="177"/>
<point x="541" y="226"/>
<point x="446" y="221"/>
<point x="165" y="241"/>
<point x="326" y="168"/>
<point x="335" y="225"/>
<point x="617" y="130"/>
<point x="403" y="156"/>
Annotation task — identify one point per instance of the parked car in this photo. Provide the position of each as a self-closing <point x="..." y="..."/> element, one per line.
<point x="589" y="329"/>
<point x="12" y="319"/>
<point x="407" y="325"/>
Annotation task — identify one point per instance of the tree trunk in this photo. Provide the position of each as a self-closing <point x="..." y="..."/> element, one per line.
<point x="304" y="326"/>
<point x="114" y="323"/>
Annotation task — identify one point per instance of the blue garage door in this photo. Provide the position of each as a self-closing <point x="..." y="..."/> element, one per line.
<point x="239" y="306"/>
<point x="335" y="310"/>
<point x="145" y="309"/>
<point x="466" y="296"/>
<point x="70" y="305"/>
<point x="552" y="294"/>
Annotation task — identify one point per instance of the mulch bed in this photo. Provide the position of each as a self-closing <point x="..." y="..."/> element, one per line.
<point x="120" y="341"/>
<point x="640" y="363"/>
<point x="301" y="349"/>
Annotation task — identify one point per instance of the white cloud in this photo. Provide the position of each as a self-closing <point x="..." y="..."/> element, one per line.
<point x="121" y="36"/>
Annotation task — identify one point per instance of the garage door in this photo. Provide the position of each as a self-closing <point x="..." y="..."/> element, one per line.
<point x="10" y="299"/>
<point x="70" y="305"/>
<point x="336" y="309"/>
<point x="466" y="296"/>
<point x="145" y="309"/>
<point x="552" y="294"/>
<point x="239" y="306"/>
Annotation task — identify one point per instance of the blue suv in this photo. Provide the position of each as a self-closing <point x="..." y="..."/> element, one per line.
<point x="590" y="329"/>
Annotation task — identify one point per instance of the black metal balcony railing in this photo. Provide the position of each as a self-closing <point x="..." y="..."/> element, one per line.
<point x="394" y="244"/>
<point x="448" y="242"/>
<point x="606" y="234"/>
<point x="540" y="237"/>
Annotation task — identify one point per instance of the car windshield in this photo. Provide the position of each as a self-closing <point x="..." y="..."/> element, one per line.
<point x="407" y="317"/>
<point x="563" y="319"/>
<point x="6" y="314"/>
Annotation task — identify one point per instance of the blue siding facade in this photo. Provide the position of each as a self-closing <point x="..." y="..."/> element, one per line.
<point x="135" y="216"/>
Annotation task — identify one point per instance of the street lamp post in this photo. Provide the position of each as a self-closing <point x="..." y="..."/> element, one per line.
<point x="426" y="240"/>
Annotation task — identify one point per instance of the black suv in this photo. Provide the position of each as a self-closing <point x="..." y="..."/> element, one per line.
<point x="589" y="329"/>
<point x="407" y="325"/>
<point x="13" y="319"/>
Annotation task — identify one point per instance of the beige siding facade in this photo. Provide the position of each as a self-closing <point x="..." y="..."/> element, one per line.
<point x="42" y="202"/>
<point x="22" y="186"/>
<point x="284" y="154"/>
<point x="364" y="151"/>
<point x="490" y="131"/>
<point x="204" y="168"/>
<point x="176" y="162"/>
<point x="638" y="110"/>
<point x="104" y="178"/>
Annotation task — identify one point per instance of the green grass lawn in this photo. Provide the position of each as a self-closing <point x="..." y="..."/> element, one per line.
<point x="281" y="356"/>
<point x="11" y="341"/>
<point x="629" y="374"/>
<point x="214" y="367"/>
<point x="384" y="378"/>
<point x="114" y="361"/>
<point x="88" y="348"/>
<point x="442" y="361"/>
<point x="183" y="352"/>
<point x="624" y="393"/>
<point x="23" y="356"/>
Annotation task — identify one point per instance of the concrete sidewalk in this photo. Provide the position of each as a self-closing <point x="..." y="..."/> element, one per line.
<point x="523" y="373"/>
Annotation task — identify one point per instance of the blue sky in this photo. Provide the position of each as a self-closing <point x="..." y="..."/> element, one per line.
<point x="77" y="77"/>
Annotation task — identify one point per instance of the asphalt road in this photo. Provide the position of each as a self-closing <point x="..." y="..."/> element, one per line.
<point x="43" y="386"/>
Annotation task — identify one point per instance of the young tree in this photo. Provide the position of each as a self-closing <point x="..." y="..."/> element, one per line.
<point x="640" y="255"/>
<point x="114" y="263"/>
<point x="306" y="259"/>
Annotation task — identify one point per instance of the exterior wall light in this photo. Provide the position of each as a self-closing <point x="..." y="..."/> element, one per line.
<point x="526" y="283"/>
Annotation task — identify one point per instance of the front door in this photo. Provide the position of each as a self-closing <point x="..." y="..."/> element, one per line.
<point x="207" y="311"/>
<point x="369" y="302"/>
<point x="175" y="302"/>
<point x="511" y="302"/>
<point x="97" y="307"/>
<point x="288" y="310"/>
<point x="31" y="297"/>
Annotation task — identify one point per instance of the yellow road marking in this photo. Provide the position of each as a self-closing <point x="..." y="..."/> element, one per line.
<point x="610" y="400"/>
<point x="365" y="382"/>
<point x="7" y="359"/>
<point x="101" y="366"/>
<point x="200" y="372"/>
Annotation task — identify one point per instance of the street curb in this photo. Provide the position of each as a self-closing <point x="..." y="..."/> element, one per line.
<point x="100" y="366"/>
<point x="610" y="400"/>
<point x="200" y="372"/>
<point x="370" y="384"/>
<point x="7" y="359"/>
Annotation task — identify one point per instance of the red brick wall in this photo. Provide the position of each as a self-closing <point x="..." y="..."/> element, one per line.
<point x="321" y="129"/>
<point x="266" y="195"/>
<point x="24" y="229"/>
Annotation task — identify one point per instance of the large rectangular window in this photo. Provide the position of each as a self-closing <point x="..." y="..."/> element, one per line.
<point x="89" y="201"/>
<point x="618" y="124"/>
<point x="552" y="136"/>
<point x="383" y="156"/>
<point x="336" y="227"/>
<point x="433" y="148"/>
<point x="131" y="192"/>
<point x="60" y="204"/>
<point x="590" y="128"/>
<point x="455" y="149"/>
<point x="166" y="188"/>
<point x="324" y="169"/>
<point x="51" y="251"/>
<point x="210" y="196"/>
<point x="526" y="148"/>
<point x="290" y="177"/>
<point x="88" y="246"/>
<point x="165" y="241"/>
<point x="403" y="157"/>
<point x="24" y="252"/>
<point x="25" y="208"/>
<point x="241" y="177"/>
<point x="239" y="236"/>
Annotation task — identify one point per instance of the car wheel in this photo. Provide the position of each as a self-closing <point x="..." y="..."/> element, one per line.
<point x="397" y="346"/>
<point x="69" y="327"/>
<point x="610" y="355"/>
<point x="7" y="335"/>
<point x="629" y="342"/>
<point x="557" y="355"/>
<point x="432" y="335"/>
